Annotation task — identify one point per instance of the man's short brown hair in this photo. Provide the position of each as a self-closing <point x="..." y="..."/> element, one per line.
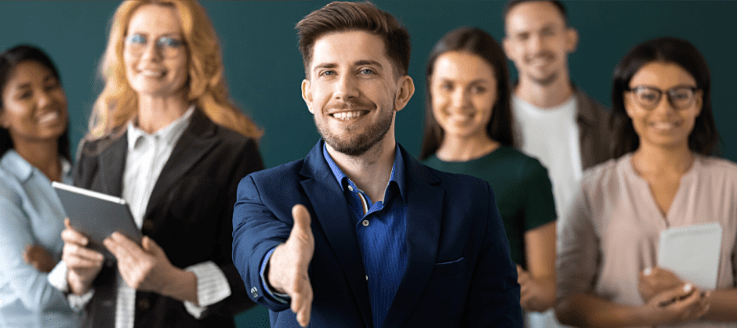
<point x="341" y="16"/>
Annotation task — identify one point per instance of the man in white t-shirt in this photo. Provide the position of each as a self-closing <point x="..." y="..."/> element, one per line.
<point x="556" y="122"/>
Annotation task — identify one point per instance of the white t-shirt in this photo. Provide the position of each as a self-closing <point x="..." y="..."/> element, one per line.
<point x="551" y="136"/>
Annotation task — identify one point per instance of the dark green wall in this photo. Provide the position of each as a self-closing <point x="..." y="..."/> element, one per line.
<point x="264" y="68"/>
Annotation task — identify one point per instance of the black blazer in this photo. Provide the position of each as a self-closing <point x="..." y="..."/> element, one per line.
<point x="189" y="215"/>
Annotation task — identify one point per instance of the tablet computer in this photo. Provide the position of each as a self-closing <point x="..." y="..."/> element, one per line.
<point x="97" y="215"/>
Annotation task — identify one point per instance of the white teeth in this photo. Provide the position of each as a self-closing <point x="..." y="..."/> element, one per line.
<point x="152" y="73"/>
<point x="48" y="117"/>
<point x="663" y="125"/>
<point x="347" y="115"/>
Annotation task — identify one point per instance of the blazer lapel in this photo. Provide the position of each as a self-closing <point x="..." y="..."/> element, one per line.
<point x="111" y="165"/>
<point x="424" y="210"/>
<point x="333" y="216"/>
<point x="196" y="140"/>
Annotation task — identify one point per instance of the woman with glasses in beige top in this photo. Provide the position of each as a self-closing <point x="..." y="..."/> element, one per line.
<point x="663" y="177"/>
<point x="165" y="137"/>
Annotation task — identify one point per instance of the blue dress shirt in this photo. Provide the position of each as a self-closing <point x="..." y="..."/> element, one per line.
<point x="381" y="228"/>
<point x="30" y="214"/>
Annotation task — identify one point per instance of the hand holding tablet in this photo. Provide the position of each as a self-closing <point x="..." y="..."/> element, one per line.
<point x="97" y="215"/>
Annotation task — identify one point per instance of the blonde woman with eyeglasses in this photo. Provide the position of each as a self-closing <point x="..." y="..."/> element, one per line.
<point x="664" y="177"/>
<point x="165" y="137"/>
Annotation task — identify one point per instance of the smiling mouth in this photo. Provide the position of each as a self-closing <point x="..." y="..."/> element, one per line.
<point x="664" y="126"/>
<point x="152" y="73"/>
<point x="345" y="116"/>
<point x="48" y="117"/>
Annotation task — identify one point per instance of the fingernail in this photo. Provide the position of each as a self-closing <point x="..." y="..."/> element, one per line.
<point x="687" y="288"/>
<point x="647" y="271"/>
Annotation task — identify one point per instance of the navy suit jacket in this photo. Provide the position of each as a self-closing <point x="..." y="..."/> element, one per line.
<point x="459" y="272"/>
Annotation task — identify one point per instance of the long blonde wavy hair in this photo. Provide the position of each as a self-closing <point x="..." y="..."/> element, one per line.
<point x="118" y="102"/>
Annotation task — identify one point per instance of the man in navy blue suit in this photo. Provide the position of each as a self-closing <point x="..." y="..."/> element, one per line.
<point x="359" y="234"/>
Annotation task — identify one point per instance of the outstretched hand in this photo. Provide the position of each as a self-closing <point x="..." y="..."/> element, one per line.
<point x="287" y="272"/>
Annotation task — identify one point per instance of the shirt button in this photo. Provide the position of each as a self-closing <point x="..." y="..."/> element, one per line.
<point x="365" y="223"/>
<point x="143" y="304"/>
<point x="366" y="278"/>
<point x="350" y="188"/>
<point x="147" y="225"/>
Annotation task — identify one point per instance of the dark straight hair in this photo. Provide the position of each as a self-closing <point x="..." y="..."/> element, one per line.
<point x="9" y="60"/>
<point x="704" y="137"/>
<point x="476" y="42"/>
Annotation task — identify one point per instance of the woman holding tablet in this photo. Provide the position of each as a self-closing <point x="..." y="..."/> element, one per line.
<point x="664" y="177"/>
<point x="164" y="137"/>
<point x="34" y="150"/>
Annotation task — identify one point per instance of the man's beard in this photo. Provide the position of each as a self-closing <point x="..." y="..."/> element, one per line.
<point x="545" y="80"/>
<point x="356" y="145"/>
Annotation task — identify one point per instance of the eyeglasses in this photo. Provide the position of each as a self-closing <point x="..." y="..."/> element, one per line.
<point x="167" y="46"/>
<point x="681" y="97"/>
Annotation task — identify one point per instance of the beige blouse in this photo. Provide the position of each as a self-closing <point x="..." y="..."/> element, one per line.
<point x="612" y="229"/>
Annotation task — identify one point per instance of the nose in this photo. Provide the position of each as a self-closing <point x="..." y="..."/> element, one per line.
<point x="459" y="98"/>
<point x="45" y="98"/>
<point x="535" y="43"/>
<point x="664" y="105"/>
<point x="346" y="87"/>
<point x="151" y="51"/>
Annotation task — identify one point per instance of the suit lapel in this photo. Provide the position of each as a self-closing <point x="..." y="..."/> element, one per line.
<point x="111" y="165"/>
<point x="196" y="140"/>
<point x="424" y="210"/>
<point x="333" y="216"/>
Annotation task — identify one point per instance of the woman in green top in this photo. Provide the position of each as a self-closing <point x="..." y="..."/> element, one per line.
<point x="468" y="129"/>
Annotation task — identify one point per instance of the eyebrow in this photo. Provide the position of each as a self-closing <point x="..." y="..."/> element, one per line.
<point x="49" y="77"/>
<point x="168" y="34"/>
<point x="550" y="25"/>
<point x="476" y="81"/>
<point x="368" y="62"/>
<point x="357" y="63"/>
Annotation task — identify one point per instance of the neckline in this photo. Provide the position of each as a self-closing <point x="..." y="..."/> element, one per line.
<point x="647" y="193"/>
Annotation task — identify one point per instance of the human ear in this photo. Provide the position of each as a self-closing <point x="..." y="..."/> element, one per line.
<point x="3" y="121"/>
<point x="571" y="39"/>
<point x="508" y="48"/>
<point x="699" y="102"/>
<point x="307" y="94"/>
<point x="405" y="92"/>
<point x="628" y="105"/>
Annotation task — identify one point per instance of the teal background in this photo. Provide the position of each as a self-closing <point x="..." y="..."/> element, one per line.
<point x="264" y="67"/>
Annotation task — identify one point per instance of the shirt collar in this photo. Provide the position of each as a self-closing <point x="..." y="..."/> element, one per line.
<point x="397" y="175"/>
<point x="18" y="166"/>
<point x="170" y="133"/>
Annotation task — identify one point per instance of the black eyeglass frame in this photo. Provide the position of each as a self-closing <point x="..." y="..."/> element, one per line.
<point x="669" y="94"/>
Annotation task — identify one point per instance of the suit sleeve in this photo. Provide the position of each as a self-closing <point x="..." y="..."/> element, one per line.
<point x="494" y="294"/>
<point x="256" y="230"/>
<point x="247" y="160"/>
